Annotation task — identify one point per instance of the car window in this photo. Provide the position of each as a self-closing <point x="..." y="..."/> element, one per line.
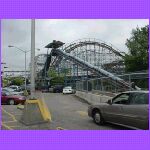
<point x="13" y="87"/>
<point x="140" y="98"/>
<point x="67" y="88"/>
<point x="121" y="99"/>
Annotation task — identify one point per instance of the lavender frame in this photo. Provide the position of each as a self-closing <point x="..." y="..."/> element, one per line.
<point x="112" y="9"/>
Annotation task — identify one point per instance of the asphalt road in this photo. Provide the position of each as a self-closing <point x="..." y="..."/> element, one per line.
<point x="68" y="112"/>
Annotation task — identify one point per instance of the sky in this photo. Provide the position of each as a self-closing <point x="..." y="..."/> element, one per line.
<point x="17" y="32"/>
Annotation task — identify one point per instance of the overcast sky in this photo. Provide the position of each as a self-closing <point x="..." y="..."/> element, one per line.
<point x="17" y="33"/>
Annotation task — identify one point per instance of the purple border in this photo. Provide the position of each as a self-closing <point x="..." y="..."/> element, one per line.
<point x="75" y="9"/>
<point x="114" y="140"/>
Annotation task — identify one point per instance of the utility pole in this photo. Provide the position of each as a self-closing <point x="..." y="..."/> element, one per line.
<point x="25" y="71"/>
<point x="32" y="58"/>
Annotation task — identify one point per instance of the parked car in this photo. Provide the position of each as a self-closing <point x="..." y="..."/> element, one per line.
<point x="68" y="90"/>
<point x="15" y="88"/>
<point x="58" y="88"/>
<point x="8" y="98"/>
<point x="12" y="91"/>
<point x="45" y="89"/>
<point x="128" y="109"/>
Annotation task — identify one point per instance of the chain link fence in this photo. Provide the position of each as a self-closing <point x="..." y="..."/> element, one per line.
<point x="105" y="84"/>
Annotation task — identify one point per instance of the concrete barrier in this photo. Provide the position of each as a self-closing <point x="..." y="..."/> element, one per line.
<point x="92" y="98"/>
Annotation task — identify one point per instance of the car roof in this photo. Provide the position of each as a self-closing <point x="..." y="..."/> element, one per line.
<point x="68" y="87"/>
<point x="13" y="86"/>
<point x="140" y="91"/>
<point x="7" y="88"/>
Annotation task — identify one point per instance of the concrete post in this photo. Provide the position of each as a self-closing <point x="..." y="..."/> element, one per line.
<point x="25" y="72"/>
<point x="32" y="58"/>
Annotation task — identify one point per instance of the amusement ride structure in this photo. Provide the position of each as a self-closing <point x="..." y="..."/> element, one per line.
<point x="83" y="58"/>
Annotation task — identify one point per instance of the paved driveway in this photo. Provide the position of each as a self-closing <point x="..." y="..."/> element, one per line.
<point x="67" y="111"/>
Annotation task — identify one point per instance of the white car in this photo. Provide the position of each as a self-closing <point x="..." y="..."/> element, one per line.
<point x="7" y="89"/>
<point x="68" y="90"/>
<point x="15" y="88"/>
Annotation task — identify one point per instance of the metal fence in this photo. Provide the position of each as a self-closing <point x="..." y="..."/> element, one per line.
<point x="106" y="85"/>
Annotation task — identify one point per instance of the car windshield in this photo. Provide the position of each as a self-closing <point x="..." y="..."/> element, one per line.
<point x="68" y="88"/>
<point x="13" y="87"/>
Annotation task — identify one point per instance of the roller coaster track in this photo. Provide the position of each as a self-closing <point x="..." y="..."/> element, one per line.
<point x="65" y="53"/>
<point x="98" y="71"/>
<point x="77" y="44"/>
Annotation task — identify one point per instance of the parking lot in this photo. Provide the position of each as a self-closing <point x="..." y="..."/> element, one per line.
<point x="68" y="112"/>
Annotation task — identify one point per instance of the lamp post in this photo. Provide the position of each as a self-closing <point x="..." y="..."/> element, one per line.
<point x="25" y="52"/>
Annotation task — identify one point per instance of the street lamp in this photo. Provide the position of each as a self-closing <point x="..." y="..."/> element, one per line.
<point x="25" y="52"/>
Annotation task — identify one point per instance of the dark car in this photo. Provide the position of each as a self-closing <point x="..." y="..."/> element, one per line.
<point x="128" y="109"/>
<point x="58" y="88"/>
<point x="45" y="89"/>
<point x="8" y="98"/>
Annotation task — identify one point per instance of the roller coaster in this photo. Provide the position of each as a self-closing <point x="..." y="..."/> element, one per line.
<point x="89" y="57"/>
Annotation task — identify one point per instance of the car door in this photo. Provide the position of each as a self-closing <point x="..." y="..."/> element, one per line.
<point x="113" y="112"/>
<point x="136" y="113"/>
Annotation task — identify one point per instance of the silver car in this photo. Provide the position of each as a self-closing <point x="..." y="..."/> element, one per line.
<point x="128" y="109"/>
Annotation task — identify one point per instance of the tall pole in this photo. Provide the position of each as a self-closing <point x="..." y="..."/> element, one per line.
<point x="25" y="72"/>
<point x="32" y="57"/>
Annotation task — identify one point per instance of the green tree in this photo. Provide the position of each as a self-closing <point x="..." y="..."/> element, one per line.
<point x="57" y="81"/>
<point x="56" y="78"/>
<point x="5" y="82"/>
<point x="52" y="73"/>
<point x="17" y="81"/>
<point x="137" y="44"/>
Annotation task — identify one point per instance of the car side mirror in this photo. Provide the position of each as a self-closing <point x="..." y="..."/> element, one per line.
<point x="109" y="102"/>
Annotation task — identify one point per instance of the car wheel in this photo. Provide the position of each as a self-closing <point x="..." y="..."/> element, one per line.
<point x="97" y="117"/>
<point x="11" y="102"/>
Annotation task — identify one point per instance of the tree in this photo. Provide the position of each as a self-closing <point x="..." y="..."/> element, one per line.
<point x="56" y="78"/>
<point x="17" y="81"/>
<point x="52" y="73"/>
<point x="137" y="44"/>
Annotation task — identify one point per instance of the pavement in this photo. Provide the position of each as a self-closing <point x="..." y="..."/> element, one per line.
<point x="68" y="112"/>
